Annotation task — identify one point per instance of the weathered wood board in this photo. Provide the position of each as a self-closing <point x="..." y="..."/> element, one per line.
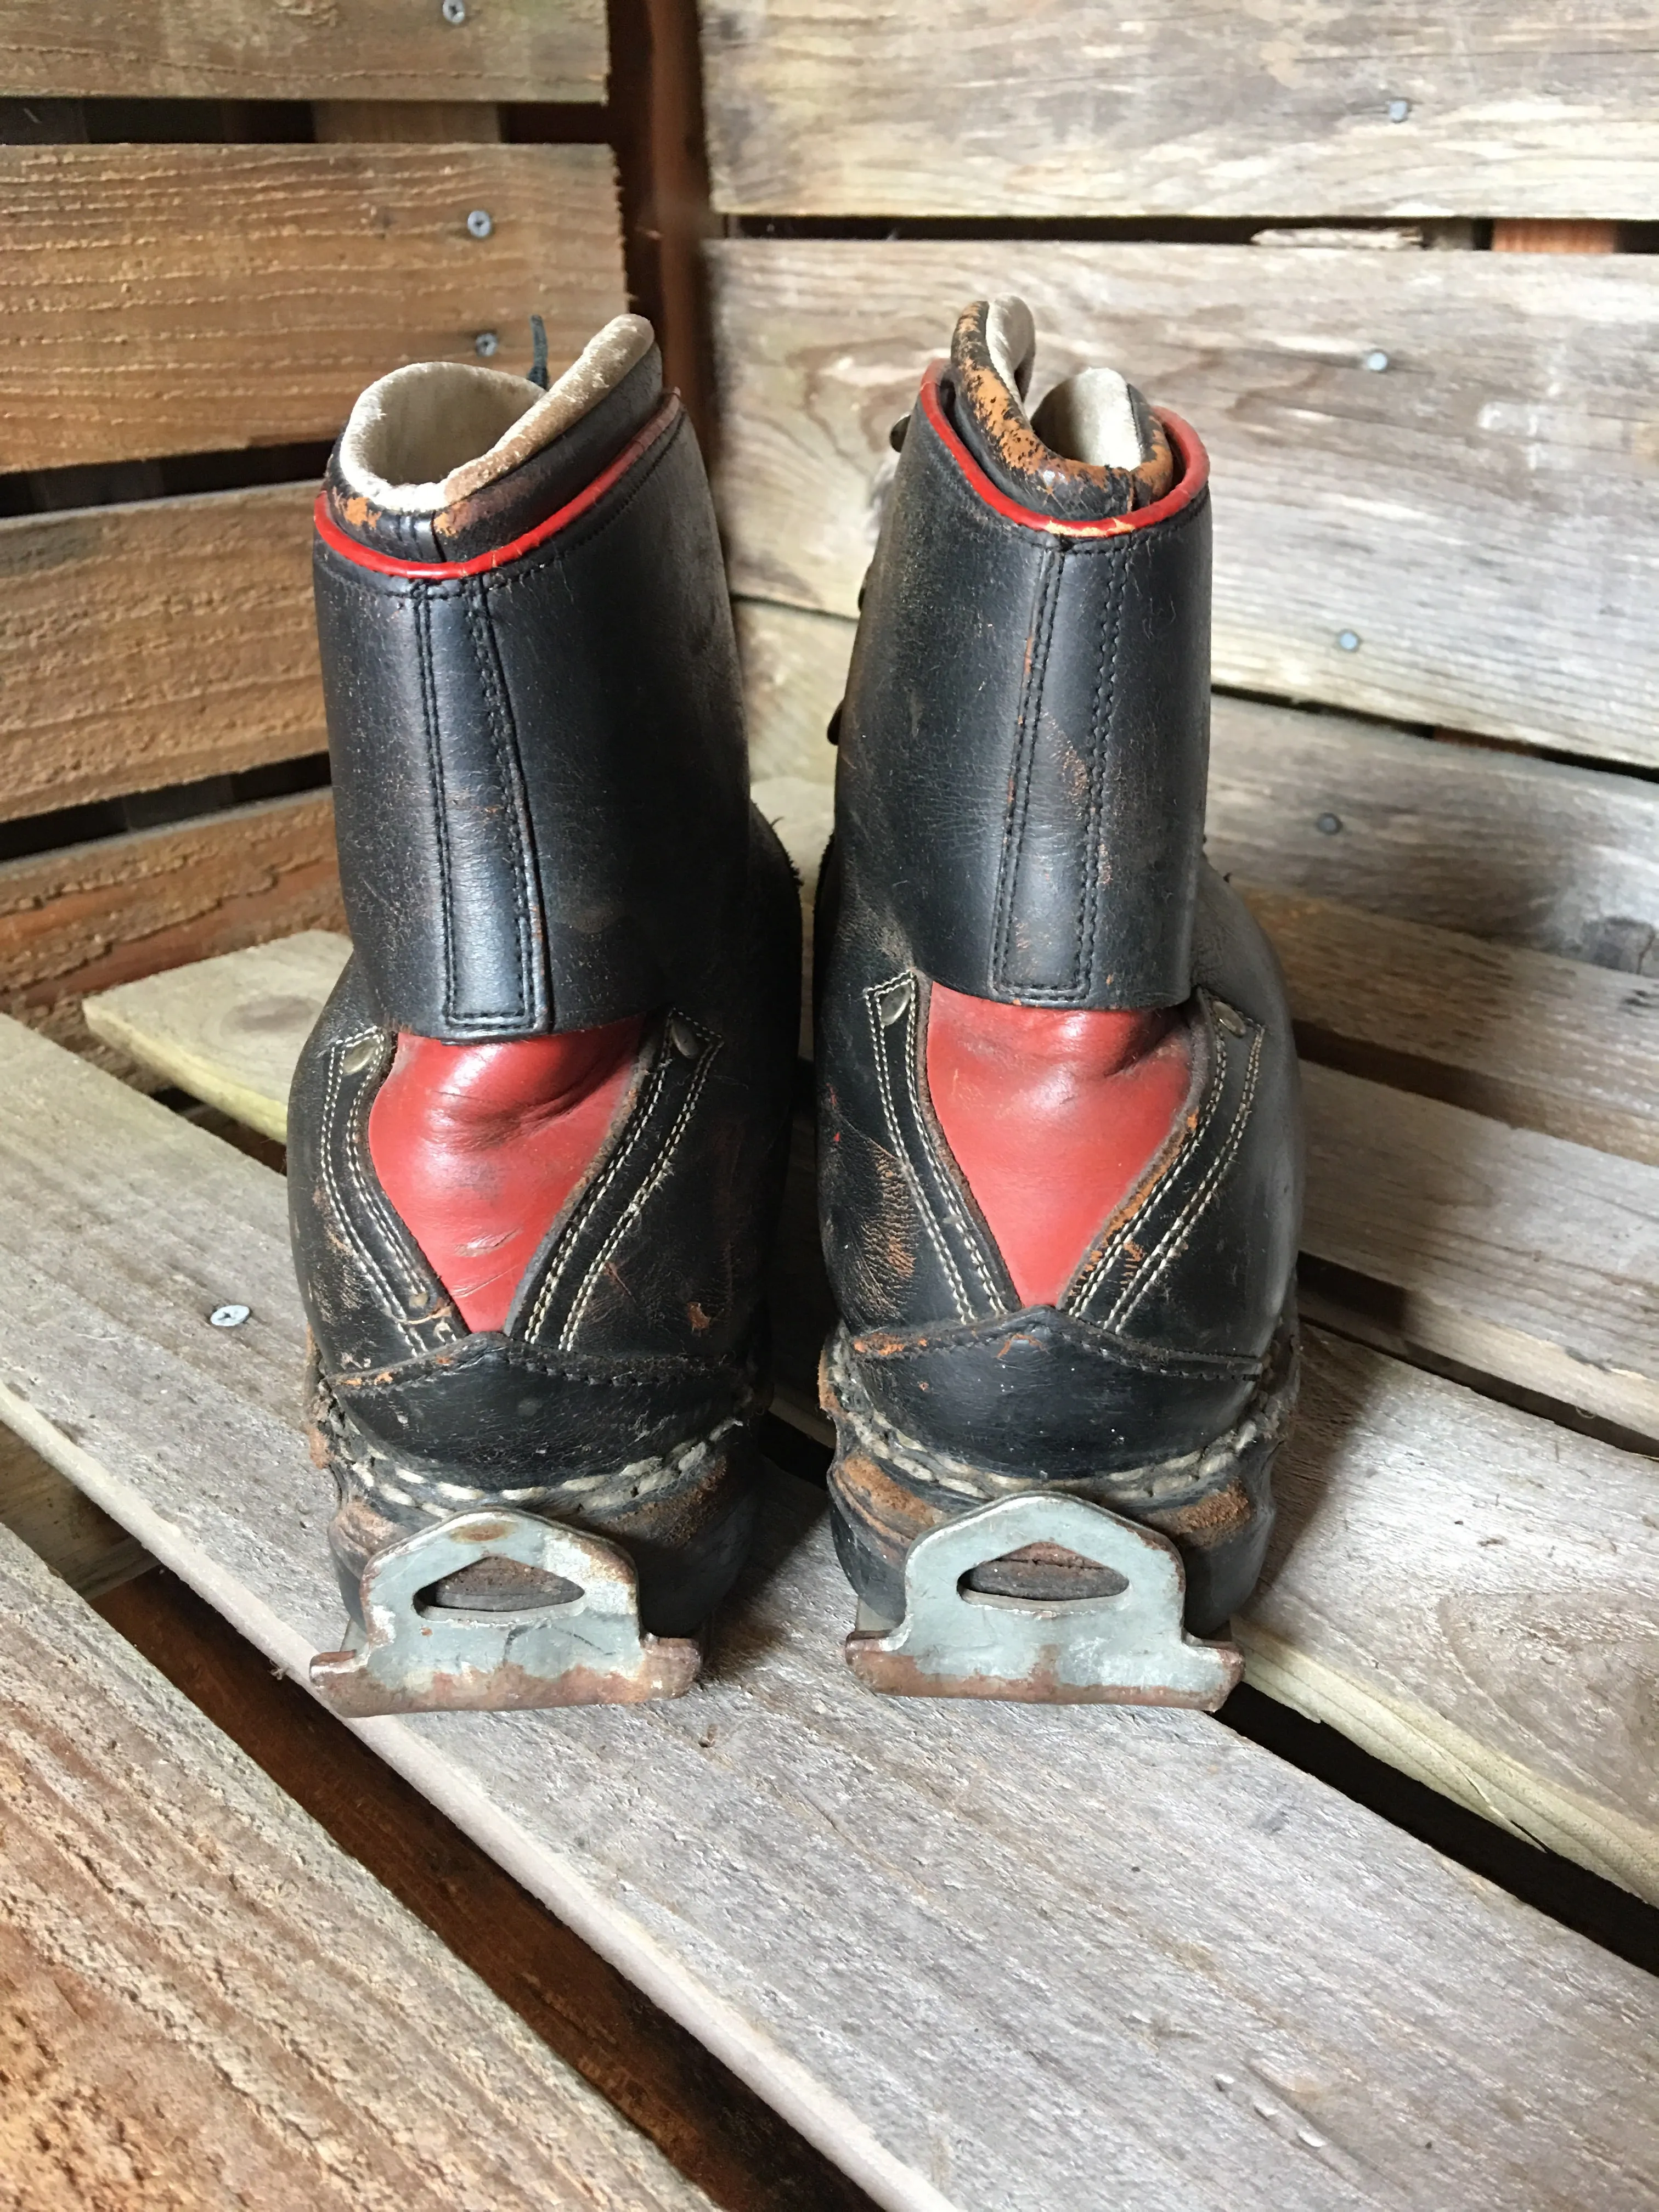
<point x="1476" y="515"/>
<point x="267" y="49"/>
<point x="1454" y="1221"/>
<point x="167" y="299"/>
<point x="156" y="643"/>
<point x="208" y="2004"/>
<point x="1028" y="108"/>
<point x="61" y="1525"/>
<point x="90" y="916"/>
<point x="1561" y="859"/>
<point x="890" y="1916"/>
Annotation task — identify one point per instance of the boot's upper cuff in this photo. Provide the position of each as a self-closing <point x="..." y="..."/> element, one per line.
<point x="1025" y="744"/>
<point x="544" y="447"/>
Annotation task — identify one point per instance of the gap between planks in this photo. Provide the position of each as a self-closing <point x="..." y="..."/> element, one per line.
<point x="1439" y="1206"/>
<point x="812" y="1880"/>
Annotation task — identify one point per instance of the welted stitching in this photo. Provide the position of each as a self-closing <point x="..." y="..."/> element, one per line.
<point x="872" y="997"/>
<point x="947" y="1189"/>
<point x="559" y="1260"/>
<point x="504" y="742"/>
<point x="330" y="1104"/>
<point x="374" y="1200"/>
<point x="422" y="604"/>
<point x="1176" y="1236"/>
<point x="1019" y="809"/>
<point x="636" y="1205"/>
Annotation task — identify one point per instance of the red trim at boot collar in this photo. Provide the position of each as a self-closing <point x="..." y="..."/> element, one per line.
<point x="1194" y="474"/>
<point x="429" y="572"/>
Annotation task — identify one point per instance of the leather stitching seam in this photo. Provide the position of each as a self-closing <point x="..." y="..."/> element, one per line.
<point x="872" y="997"/>
<point x="422" y="606"/>
<point x="388" y="1301"/>
<point x="1014" y="821"/>
<point x="504" y="743"/>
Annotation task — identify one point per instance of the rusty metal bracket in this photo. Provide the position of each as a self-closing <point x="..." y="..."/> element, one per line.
<point x="1127" y="1649"/>
<point x="587" y="1650"/>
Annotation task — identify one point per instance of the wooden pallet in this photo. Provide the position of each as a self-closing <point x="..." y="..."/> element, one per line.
<point x="979" y="1957"/>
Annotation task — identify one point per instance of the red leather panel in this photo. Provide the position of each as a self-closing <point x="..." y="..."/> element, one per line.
<point x="478" y="1146"/>
<point x="1052" y="1117"/>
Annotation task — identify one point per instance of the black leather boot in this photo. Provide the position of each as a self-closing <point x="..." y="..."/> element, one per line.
<point x="537" y="1139"/>
<point x="1059" y="1139"/>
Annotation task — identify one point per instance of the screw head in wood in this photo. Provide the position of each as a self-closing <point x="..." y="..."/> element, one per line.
<point x="1399" y="110"/>
<point x="1377" y="359"/>
<point x="485" y="344"/>
<point x="1328" y="825"/>
<point x="480" y="224"/>
<point x="1348" y="640"/>
<point x="230" y="1316"/>
<point x="453" y="11"/>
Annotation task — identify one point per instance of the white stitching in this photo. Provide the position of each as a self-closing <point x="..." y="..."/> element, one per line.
<point x="636" y="1205"/>
<point x="1174" y="1238"/>
<point x="388" y="1299"/>
<point x="965" y="1310"/>
<point x="374" y="1200"/>
<point x="952" y="1197"/>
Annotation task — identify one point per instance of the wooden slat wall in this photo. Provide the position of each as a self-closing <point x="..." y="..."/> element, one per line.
<point x="1477" y="513"/>
<point x="153" y="643"/>
<point x="1029" y="108"/>
<point x="379" y="49"/>
<point x="187" y="299"/>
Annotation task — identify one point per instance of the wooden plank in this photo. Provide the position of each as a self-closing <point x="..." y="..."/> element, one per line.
<point x="229" y="1031"/>
<point x="76" y="1538"/>
<point x="1529" y="1259"/>
<point x="264" y="50"/>
<point x="716" y="2130"/>
<point x="887" y="1915"/>
<point x="1515" y="1255"/>
<point x="1560" y="859"/>
<point x="1523" y="1036"/>
<point x="157" y="643"/>
<point x="165" y="299"/>
<point x="1028" y="108"/>
<point x="208" y="2003"/>
<point x="1476" y="519"/>
<point x="90" y="916"/>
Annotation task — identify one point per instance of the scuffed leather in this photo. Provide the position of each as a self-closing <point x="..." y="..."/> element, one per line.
<point x="1024" y="743"/>
<point x="540" y="781"/>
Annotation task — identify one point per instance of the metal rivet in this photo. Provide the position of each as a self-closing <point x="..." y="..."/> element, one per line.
<point x="1399" y="110"/>
<point x="360" y="1055"/>
<point x="1377" y="359"/>
<point x="1229" y="1018"/>
<point x="1348" y="640"/>
<point x="230" y="1316"/>
<point x="893" y="1006"/>
<point x="480" y="224"/>
<point x="485" y="344"/>
<point x="684" y="1039"/>
<point x="453" y="11"/>
<point x="1328" y="825"/>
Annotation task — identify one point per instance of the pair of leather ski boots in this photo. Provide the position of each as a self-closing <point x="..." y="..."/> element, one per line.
<point x="537" y="1138"/>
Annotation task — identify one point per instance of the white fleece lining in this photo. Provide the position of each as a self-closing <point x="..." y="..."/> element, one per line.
<point x="436" y="432"/>
<point x="1091" y="417"/>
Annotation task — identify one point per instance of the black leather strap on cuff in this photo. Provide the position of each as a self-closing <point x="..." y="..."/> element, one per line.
<point x="1025" y="743"/>
<point x="540" y="786"/>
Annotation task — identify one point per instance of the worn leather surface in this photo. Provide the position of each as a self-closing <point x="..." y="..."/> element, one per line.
<point x="1019" y="816"/>
<point x="1052" y="692"/>
<point x="540" y="783"/>
<point x="544" y="829"/>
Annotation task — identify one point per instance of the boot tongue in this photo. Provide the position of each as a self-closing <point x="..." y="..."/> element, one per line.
<point x="1092" y="450"/>
<point x="442" y="459"/>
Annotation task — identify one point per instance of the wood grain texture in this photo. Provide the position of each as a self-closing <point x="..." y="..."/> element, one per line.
<point x="90" y="916"/>
<point x="1523" y="1036"/>
<point x="979" y="1956"/>
<point x="61" y="1525"/>
<point x="229" y="1031"/>
<point x="1514" y="1253"/>
<point x="714" y="2130"/>
<point x="165" y="299"/>
<point x="156" y="643"/>
<point x="1479" y="516"/>
<point x="275" y="50"/>
<point x="209" y="2004"/>
<point x="1560" y="859"/>
<point x="1042" y="107"/>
